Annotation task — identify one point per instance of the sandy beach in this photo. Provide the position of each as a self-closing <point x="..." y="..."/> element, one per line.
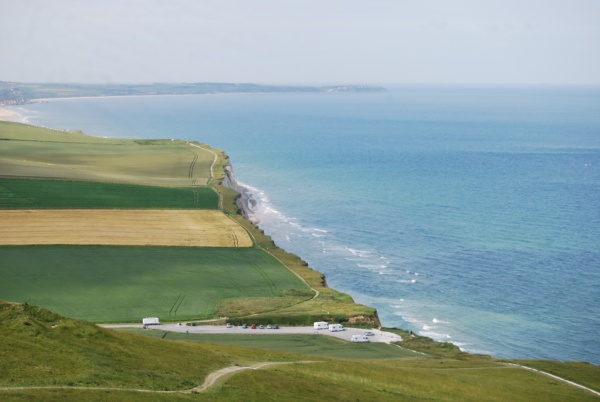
<point x="9" y="115"/>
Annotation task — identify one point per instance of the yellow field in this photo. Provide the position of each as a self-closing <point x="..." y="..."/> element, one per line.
<point x="204" y="228"/>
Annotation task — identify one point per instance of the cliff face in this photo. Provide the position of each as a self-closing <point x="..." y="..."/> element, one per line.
<point x="245" y="202"/>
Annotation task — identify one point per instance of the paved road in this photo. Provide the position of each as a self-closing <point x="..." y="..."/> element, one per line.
<point x="379" y="336"/>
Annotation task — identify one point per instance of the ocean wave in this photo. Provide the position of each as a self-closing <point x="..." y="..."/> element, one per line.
<point x="436" y="336"/>
<point x="438" y="321"/>
<point x="360" y="253"/>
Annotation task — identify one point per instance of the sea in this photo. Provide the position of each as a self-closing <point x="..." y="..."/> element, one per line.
<point x="469" y="215"/>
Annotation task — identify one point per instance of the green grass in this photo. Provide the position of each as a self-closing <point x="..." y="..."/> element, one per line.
<point x="19" y="193"/>
<point x="399" y="380"/>
<point x="318" y="345"/>
<point x="40" y="348"/>
<point x="125" y="284"/>
<point x="580" y="372"/>
<point x="34" y="152"/>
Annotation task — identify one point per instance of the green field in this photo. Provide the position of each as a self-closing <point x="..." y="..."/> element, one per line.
<point x="34" y="194"/>
<point x="34" y="152"/>
<point x="125" y="284"/>
<point x="318" y="345"/>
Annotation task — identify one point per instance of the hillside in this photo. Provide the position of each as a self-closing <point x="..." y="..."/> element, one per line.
<point x="44" y="356"/>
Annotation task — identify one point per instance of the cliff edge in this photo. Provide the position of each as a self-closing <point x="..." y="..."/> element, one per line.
<point x="245" y="202"/>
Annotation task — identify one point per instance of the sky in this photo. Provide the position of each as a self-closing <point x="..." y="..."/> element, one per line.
<point x="504" y="42"/>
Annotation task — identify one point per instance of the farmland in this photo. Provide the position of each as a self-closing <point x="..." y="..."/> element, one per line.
<point x="65" y="188"/>
<point x="33" y="152"/>
<point x="203" y="228"/>
<point x="20" y="193"/>
<point x="124" y="284"/>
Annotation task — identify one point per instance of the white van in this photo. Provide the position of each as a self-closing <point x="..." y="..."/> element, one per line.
<point x="321" y="325"/>
<point x="359" y="338"/>
<point x="336" y="327"/>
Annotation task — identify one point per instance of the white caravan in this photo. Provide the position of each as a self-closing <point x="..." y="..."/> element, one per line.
<point x="321" y="325"/>
<point x="336" y="327"/>
<point x="360" y="338"/>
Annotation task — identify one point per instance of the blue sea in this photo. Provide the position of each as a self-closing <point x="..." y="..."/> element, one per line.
<point x="466" y="214"/>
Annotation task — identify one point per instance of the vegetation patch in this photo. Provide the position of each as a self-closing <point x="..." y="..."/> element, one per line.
<point x="125" y="284"/>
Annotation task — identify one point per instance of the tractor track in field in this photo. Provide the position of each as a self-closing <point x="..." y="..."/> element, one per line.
<point x="234" y="238"/>
<point x="192" y="165"/>
<point x="195" y="202"/>
<point x="177" y="304"/>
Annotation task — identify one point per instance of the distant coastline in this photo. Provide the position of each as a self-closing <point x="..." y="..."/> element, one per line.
<point x="16" y="93"/>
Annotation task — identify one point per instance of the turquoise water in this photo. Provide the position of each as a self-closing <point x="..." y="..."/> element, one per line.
<point x="470" y="215"/>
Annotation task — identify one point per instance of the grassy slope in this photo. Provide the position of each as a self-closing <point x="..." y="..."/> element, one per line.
<point x="39" y="348"/>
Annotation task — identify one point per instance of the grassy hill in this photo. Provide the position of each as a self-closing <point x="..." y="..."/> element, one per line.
<point x="44" y="356"/>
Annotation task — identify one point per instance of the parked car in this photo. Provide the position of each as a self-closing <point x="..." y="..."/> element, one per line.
<point x="269" y="326"/>
<point x="261" y="326"/>
<point x="229" y="325"/>
<point x="253" y="326"/>
<point x="276" y="326"/>
<point x="245" y="326"/>
<point x="369" y="333"/>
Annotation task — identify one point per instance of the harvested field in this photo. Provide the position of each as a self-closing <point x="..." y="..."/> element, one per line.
<point x="140" y="227"/>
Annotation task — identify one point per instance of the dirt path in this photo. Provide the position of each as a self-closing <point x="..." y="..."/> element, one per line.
<point x="212" y="378"/>
<point x="209" y="382"/>
<point x="555" y="377"/>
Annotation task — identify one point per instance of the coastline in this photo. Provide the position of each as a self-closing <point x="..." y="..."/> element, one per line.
<point x="245" y="200"/>
<point x="7" y="114"/>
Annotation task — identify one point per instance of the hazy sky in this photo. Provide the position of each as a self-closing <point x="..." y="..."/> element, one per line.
<point x="301" y="41"/>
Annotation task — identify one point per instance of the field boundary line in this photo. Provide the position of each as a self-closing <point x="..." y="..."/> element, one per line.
<point x="555" y="377"/>
<point x="317" y="293"/>
<point x="212" y="165"/>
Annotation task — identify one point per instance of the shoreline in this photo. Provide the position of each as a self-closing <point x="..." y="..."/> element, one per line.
<point x="7" y="114"/>
<point x="244" y="202"/>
